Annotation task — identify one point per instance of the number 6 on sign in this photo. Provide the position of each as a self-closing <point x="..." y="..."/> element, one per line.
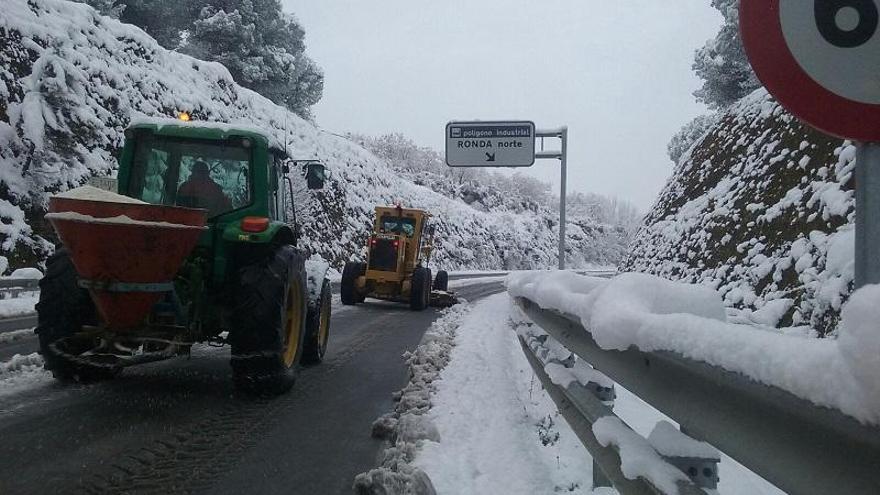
<point x="820" y="59"/>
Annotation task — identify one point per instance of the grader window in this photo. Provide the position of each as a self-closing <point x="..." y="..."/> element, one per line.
<point x="396" y="225"/>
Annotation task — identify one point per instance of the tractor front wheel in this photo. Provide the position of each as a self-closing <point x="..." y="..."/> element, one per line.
<point x="62" y="311"/>
<point x="420" y="289"/>
<point x="269" y="321"/>
<point x="348" y="286"/>
<point x="318" y="327"/>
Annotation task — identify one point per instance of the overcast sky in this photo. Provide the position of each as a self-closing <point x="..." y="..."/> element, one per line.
<point x="616" y="72"/>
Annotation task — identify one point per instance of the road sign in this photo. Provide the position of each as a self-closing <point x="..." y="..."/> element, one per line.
<point x="490" y="144"/>
<point x="820" y="59"/>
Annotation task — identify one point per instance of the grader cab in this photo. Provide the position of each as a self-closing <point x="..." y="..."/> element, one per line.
<point x="398" y="252"/>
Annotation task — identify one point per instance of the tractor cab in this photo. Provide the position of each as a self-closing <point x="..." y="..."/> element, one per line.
<point x="237" y="174"/>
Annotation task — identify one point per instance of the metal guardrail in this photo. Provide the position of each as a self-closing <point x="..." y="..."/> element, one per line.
<point x="12" y="287"/>
<point x="798" y="446"/>
<point x="581" y="408"/>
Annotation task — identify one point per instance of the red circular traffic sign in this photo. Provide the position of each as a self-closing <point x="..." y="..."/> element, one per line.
<point x="820" y="59"/>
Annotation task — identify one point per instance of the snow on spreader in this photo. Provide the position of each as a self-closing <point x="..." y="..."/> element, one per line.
<point x="125" y="254"/>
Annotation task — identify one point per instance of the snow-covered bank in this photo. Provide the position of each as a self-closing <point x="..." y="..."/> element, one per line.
<point x="655" y="314"/>
<point x="499" y="431"/>
<point x="760" y="208"/>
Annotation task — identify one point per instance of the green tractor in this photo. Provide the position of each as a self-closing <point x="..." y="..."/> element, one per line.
<point x="124" y="287"/>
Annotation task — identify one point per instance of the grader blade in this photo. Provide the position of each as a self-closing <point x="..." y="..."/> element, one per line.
<point x="443" y="299"/>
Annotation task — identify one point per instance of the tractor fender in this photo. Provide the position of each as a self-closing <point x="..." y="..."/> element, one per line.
<point x="316" y="273"/>
<point x="277" y="231"/>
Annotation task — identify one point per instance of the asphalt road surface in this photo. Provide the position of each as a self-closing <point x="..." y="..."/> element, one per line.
<point x="179" y="427"/>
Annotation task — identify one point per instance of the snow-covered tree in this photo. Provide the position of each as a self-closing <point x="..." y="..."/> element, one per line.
<point x="689" y="134"/>
<point x="165" y="20"/>
<point x="722" y="63"/>
<point x="110" y="8"/>
<point x="262" y="47"/>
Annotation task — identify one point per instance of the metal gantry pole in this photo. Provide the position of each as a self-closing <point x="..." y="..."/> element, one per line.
<point x="867" y="259"/>
<point x="562" y="156"/>
<point x="562" y="197"/>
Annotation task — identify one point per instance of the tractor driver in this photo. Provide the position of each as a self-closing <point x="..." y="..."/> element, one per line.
<point x="201" y="191"/>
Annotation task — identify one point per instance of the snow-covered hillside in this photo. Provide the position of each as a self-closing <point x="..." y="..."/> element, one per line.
<point x="72" y="80"/>
<point x="761" y="208"/>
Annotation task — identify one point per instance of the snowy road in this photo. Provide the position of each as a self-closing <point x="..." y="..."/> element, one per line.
<point x="177" y="426"/>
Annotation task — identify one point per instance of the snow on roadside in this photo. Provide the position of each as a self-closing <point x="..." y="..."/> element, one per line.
<point x="22" y="372"/>
<point x="498" y="431"/>
<point x="18" y="306"/>
<point x="406" y="428"/>
<point x="16" y="335"/>
<point x="655" y="314"/>
<point x="466" y="282"/>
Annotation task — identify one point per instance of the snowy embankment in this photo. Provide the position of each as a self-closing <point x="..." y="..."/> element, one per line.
<point x="654" y="314"/>
<point x="761" y="208"/>
<point x="72" y="81"/>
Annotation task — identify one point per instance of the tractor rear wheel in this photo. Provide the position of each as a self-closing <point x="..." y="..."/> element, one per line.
<point x="318" y="327"/>
<point x="441" y="281"/>
<point x="420" y="289"/>
<point x="348" y="286"/>
<point x="269" y="320"/>
<point x="62" y="311"/>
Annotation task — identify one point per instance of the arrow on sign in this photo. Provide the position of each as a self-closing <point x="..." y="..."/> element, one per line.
<point x="490" y="157"/>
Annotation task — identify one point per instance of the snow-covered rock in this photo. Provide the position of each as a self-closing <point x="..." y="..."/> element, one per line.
<point x="761" y="209"/>
<point x="71" y="81"/>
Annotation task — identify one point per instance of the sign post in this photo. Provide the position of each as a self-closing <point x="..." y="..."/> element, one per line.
<point x="507" y="144"/>
<point x="821" y="60"/>
<point x="867" y="214"/>
<point x="562" y="156"/>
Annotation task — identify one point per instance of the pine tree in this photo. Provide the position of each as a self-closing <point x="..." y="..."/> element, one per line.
<point x="722" y="62"/>
<point x="262" y="47"/>
<point x="110" y="8"/>
<point x="688" y="135"/>
<point x="164" y="20"/>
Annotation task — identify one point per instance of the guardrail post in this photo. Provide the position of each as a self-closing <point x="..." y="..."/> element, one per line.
<point x="599" y="478"/>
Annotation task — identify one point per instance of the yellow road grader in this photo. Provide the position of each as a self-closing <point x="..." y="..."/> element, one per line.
<point x="398" y="252"/>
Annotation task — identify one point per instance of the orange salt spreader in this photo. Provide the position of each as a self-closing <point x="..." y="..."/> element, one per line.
<point x="126" y="254"/>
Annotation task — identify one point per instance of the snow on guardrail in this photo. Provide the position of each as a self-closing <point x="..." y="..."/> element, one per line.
<point x="653" y="314"/>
